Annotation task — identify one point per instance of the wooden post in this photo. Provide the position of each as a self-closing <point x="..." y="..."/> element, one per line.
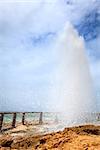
<point x="98" y="116"/>
<point x="14" y="120"/>
<point x="56" y="119"/>
<point x="23" y="119"/>
<point x="41" y="118"/>
<point x="1" y="120"/>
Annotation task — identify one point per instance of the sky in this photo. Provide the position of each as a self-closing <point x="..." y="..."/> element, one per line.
<point x="28" y="30"/>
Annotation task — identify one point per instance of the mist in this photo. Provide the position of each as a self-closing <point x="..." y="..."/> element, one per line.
<point x="72" y="88"/>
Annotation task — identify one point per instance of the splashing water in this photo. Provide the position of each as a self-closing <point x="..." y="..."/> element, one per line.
<point x="71" y="92"/>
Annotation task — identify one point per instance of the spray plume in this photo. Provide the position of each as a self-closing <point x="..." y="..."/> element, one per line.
<point x="72" y="91"/>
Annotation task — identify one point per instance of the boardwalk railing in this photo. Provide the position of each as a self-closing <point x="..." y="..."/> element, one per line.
<point x="23" y="115"/>
<point x="14" y="114"/>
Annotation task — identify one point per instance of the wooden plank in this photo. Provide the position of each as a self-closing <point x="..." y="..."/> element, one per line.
<point x="1" y="120"/>
<point x="18" y="112"/>
<point x="41" y="118"/>
<point x="14" y="120"/>
<point x="23" y="118"/>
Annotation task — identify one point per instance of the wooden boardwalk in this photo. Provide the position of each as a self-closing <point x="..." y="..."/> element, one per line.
<point x="14" y="116"/>
<point x="23" y="117"/>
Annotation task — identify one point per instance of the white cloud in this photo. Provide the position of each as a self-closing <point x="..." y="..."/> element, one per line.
<point x="24" y="67"/>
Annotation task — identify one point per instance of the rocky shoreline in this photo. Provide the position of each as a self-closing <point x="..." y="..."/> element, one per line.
<point x="86" y="137"/>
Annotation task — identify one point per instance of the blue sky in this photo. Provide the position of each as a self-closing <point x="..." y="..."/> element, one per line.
<point x="28" y="30"/>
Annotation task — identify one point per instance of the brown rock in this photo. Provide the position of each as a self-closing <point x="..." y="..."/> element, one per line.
<point x="6" y="141"/>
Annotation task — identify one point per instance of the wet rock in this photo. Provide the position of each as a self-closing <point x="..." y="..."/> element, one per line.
<point x="42" y="141"/>
<point x="6" y="141"/>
